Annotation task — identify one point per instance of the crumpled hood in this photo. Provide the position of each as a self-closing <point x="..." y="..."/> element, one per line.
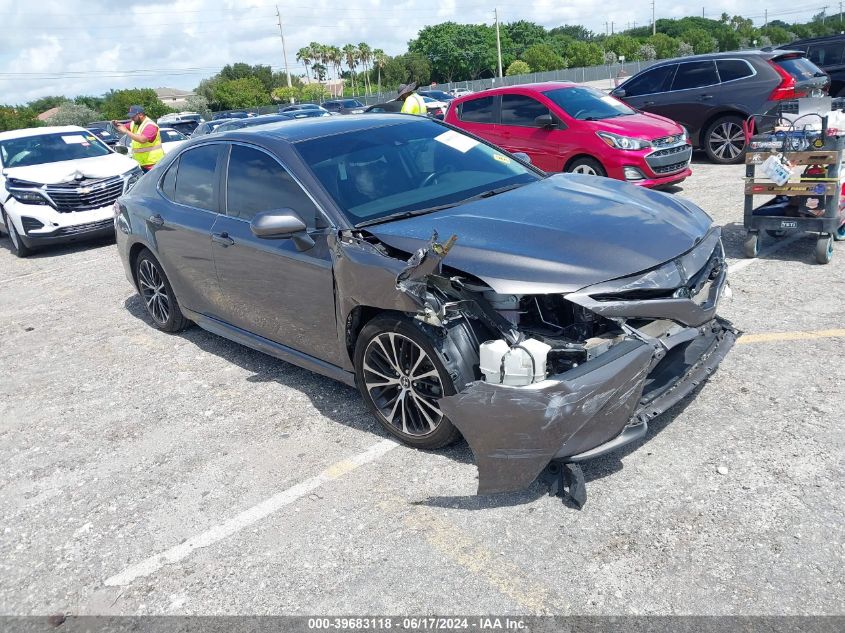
<point x="560" y="234"/>
<point x="67" y="170"/>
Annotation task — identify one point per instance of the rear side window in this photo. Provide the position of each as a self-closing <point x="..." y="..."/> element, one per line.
<point x="695" y="75"/>
<point x="168" y="183"/>
<point x="521" y="110"/>
<point x="478" y="110"/>
<point x="257" y="182"/>
<point x="799" y="67"/>
<point x="730" y="69"/>
<point x="651" y="81"/>
<point x="827" y="54"/>
<point x="195" y="178"/>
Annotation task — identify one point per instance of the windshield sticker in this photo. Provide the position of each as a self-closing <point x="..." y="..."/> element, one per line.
<point x="610" y="100"/>
<point x="502" y="159"/>
<point x="76" y="139"/>
<point x="90" y="138"/>
<point x="457" y="141"/>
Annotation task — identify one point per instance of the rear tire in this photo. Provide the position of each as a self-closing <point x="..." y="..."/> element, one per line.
<point x="157" y="294"/>
<point x="401" y="377"/>
<point x="724" y="141"/>
<point x="586" y="165"/>
<point x="18" y="247"/>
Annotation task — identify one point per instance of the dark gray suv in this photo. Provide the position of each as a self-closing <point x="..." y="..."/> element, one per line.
<point x="711" y="95"/>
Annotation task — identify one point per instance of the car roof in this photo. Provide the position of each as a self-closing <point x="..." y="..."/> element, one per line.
<point x="753" y="54"/>
<point x="37" y="131"/>
<point x="297" y="130"/>
<point x="814" y="40"/>
<point x="541" y="86"/>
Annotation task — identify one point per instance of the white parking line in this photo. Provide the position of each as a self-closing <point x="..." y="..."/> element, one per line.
<point x="774" y="248"/>
<point x="250" y="516"/>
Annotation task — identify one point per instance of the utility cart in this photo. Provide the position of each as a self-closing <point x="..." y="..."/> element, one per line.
<point x="808" y="201"/>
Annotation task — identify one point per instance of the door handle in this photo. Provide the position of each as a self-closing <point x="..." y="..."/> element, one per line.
<point x="705" y="97"/>
<point x="156" y="220"/>
<point x="222" y="238"/>
<point x="648" y="103"/>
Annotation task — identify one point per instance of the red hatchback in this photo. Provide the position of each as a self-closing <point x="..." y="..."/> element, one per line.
<point x="570" y="127"/>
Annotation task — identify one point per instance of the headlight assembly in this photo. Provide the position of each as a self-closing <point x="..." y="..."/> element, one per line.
<point x="623" y="142"/>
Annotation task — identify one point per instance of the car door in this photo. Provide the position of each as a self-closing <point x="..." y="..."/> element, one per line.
<point x="694" y="94"/>
<point x="642" y="91"/>
<point x="479" y="116"/>
<point x="518" y="131"/>
<point x="181" y="227"/>
<point x="276" y="288"/>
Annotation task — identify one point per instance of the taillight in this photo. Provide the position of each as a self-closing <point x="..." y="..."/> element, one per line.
<point x="786" y="89"/>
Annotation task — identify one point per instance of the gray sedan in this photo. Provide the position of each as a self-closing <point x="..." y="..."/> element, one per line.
<point x="544" y="318"/>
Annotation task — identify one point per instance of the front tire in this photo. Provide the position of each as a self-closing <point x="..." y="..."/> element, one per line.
<point x="586" y="165"/>
<point x="18" y="247"/>
<point x="157" y="294"/>
<point x="724" y="141"/>
<point x="401" y="377"/>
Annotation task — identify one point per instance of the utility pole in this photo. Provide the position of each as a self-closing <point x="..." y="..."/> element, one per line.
<point x="765" y="18"/>
<point x="840" y="14"/>
<point x="607" y="28"/>
<point x="284" y="50"/>
<point x="824" y="10"/>
<point x="653" y="23"/>
<point x="611" y="27"/>
<point x="498" y="41"/>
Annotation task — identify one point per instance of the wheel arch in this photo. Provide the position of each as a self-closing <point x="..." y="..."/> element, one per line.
<point x="572" y="159"/>
<point x="713" y="118"/>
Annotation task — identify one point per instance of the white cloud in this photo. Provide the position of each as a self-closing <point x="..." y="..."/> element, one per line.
<point x="78" y="47"/>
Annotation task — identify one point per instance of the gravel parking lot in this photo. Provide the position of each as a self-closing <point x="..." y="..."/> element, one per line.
<point x="147" y="473"/>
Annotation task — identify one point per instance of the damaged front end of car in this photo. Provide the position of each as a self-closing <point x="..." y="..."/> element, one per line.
<point x="564" y="377"/>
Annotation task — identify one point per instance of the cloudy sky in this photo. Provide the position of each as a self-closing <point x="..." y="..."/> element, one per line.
<point x="72" y="47"/>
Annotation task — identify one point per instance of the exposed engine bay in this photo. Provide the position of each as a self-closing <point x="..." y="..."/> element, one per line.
<point x="567" y="377"/>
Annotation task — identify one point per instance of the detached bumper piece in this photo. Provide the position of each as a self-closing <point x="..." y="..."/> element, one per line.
<point x="588" y="411"/>
<point x="71" y="233"/>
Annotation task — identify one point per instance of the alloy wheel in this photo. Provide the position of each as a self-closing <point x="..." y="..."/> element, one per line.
<point x="403" y="383"/>
<point x="585" y="169"/>
<point x="153" y="291"/>
<point x="727" y="140"/>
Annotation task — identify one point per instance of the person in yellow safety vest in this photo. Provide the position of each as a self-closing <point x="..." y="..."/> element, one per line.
<point x="412" y="102"/>
<point x="146" y="139"/>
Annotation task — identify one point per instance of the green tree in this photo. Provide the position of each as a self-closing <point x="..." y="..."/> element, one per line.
<point x="286" y="94"/>
<point x="72" y="114"/>
<point x="320" y="71"/>
<point x="518" y="67"/>
<point x="542" y="57"/>
<point x="524" y="34"/>
<point x="350" y="56"/>
<point x="305" y="56"/>
<point x="241" y="93"/>
<point x="585" y="54"/>
<point x="95" y="103"/>
<point x="575" y="31"/>
<point x="460" y="51"/>
<point x="365" y="55"/>
<point x="198" y="104"/>
<point x="314" y="93"/>
<point x="623" y="45"/>
<point x="664" y="45"/>
<point x="45" y="103"/>
<point x="240" y="70"/>
<point x="700" y="40"/>
<point x="776" y="34"/>
<point x="647" y="52"/>
<point x="408" y="67"/>
<point x="116" y="103"/>
<point x="16" y="118"/>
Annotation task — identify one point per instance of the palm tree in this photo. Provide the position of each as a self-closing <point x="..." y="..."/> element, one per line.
<point x="365" y="54"/>
<point x="305" y="55"/>
<point x="379" y="59"/>
<point x="350" y="54"/>
<point x="335" y="57"/>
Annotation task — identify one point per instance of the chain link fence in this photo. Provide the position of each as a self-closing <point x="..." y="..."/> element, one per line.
<point x="606" y="72"/>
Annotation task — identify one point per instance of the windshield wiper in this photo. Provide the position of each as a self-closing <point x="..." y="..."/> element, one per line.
<point x="401" y="215"/>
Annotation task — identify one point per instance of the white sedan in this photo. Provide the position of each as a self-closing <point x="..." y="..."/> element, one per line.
<point x="170" y="140"/>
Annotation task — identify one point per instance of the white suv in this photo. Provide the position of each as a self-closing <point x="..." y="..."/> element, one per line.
<point x="58" y="184"/>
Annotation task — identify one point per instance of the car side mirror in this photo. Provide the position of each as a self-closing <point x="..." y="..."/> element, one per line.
<point x="545" y="120"/>
<point x="618" y="93"/>
<point x="282" y="223"/>
<point x="525" y="158"/>
<point x="121" y="149"/>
